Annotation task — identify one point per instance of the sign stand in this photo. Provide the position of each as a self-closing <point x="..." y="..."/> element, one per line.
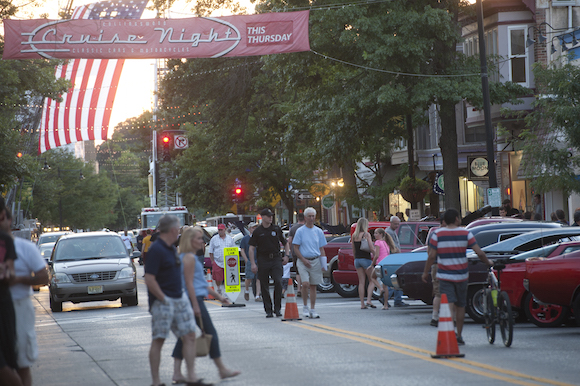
<point x="232" y="276"/>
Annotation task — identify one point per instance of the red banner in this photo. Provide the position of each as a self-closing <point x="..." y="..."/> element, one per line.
<point x="199" y="37"/>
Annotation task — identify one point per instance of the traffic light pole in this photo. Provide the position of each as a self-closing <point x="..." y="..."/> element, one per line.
<point x="152" y="165"/>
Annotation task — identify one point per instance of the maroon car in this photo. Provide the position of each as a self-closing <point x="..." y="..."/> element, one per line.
<point x="555" y="281"/>
<point x="411" y="235"/>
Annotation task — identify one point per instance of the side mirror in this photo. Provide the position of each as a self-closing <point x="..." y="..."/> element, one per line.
<point x="136" y="254"/>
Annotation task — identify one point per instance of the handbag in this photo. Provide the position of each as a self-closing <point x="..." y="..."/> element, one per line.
<point x="364" y="245"/>
<point x="202" y="342"/>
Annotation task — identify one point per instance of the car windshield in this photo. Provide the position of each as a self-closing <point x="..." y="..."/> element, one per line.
<point x="340" y="239"/>
<point x="46" y="250"/>
<point x="90" y="247"/>
<point x="540" y="252"/>
<point x="49" y="238"/>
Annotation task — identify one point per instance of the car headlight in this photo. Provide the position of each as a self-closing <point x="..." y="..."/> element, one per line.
<point x="60" y="278"/>
<point x="379" y="271"/>
<point x="126" y="273"/>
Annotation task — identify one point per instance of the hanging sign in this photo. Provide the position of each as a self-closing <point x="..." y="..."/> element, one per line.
<point x="439" y="185"/>
<point x="198" y="37"/>
<point x="478" y="168"/>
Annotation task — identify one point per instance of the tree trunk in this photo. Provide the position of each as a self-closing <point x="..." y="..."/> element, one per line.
<point x="411" y="151"/>
<point x="448" y="145"/>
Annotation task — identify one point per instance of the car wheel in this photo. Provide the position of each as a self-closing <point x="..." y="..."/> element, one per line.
<point x="544" y="315"/>
<point x="345" y="290"/>
<point x="130" y="301"/>
<point x="54" y="305"/>
<point x="576" y="309"/>
<point x="326" y="286"/>
<point x="475" y="303"/>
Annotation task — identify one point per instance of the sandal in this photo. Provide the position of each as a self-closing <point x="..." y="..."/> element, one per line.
<point x="363" y="307"/>
<point x="371" y="305"/>
<point x="230" y="374"/>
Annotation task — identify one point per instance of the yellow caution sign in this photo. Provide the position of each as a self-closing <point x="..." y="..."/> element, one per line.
<point x="232" y="272"/>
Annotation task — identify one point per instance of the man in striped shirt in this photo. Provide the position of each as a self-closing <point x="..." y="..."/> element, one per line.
<point x="448" y="245"/>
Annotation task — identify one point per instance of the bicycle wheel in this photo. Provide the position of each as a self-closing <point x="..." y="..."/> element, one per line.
<point x="489" y="316"/>
<point x="505" y="318"/>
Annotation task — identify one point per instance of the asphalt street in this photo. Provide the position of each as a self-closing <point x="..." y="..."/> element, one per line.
<point x="102" y="343"/>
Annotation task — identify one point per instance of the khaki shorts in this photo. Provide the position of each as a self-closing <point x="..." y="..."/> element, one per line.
<point x="176" y="315"/>
<point x="312" y="275"/>
<point x="26" y="345"/>
<point x="436" y="292"/>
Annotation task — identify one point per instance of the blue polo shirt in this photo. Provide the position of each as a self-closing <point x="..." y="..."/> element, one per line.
<point x="162" y="261"/>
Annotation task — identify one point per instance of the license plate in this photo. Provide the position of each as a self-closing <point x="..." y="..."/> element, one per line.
<point x="95" y="289"/>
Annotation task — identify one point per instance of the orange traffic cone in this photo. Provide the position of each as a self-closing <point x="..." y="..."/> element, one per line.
<point x="209" y="284"/>
<point x="446" y="339"/>
<point x="291" y="308"/>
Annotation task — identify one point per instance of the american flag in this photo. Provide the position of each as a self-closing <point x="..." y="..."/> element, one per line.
<point x="85" y="111"/>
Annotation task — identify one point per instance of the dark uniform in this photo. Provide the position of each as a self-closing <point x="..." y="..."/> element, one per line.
<point x="267" y="242"/>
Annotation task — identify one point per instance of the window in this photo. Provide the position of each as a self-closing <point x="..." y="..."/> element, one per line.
<point x="406" y="235"/>
<point x="517" y="54"/>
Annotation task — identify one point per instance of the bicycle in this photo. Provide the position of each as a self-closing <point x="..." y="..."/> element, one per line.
<point x="497" y="308"/>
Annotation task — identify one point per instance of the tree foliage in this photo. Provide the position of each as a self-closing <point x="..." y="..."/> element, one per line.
<point x="551" y="140"/>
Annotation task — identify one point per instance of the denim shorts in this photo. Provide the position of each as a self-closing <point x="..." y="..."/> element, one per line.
<point x="176" y="315"/>
<point x="456" y="291"/>
<point x="362" y="263"/>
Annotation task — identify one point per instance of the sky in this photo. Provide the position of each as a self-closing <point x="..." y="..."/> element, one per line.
<point x="136" y="85"/>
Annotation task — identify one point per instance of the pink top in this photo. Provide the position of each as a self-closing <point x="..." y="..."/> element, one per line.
<point x="384" y="249"/>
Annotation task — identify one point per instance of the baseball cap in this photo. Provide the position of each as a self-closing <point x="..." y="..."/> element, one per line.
<point x="266" y="212"/>
<point x="252" y="225"/>
<point x="221" y="226"/>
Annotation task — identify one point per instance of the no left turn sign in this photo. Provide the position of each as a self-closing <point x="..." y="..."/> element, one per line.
<point x="180" y="142"/>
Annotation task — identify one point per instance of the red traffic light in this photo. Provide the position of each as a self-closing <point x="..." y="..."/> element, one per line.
<point x="166" y="139"/>
<point x="19" y="154"/>
<point x="238" y="191"/>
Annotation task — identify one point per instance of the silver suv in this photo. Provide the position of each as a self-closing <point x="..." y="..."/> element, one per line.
<point x="91" y="266"/>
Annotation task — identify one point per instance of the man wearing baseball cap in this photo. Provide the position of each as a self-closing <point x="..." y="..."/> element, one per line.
<point x="216" y="254"/>
<point x="265" y="246"/>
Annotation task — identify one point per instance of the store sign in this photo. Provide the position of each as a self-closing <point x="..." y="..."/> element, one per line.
<point x="328" y="202"/>
<point x="478" y="168"/>
<point x="439" y="185"/>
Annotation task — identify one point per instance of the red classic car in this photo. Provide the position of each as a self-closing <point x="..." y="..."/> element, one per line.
<point x="555" y="281"/>
<point x="411" y="235"/>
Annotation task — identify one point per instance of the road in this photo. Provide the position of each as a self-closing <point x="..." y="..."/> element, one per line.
<point x="102" y="343"/>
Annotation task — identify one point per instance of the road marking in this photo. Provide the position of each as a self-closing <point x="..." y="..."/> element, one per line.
<point x="416" y="352"/>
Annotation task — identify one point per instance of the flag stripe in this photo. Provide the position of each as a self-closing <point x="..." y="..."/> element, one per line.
<point x="86" y="107"/>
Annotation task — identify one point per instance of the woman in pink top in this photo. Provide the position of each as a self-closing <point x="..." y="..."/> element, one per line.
<point x="383" y="246"/>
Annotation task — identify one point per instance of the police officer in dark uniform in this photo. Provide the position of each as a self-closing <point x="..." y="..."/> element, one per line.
<point x="266" y="240"/>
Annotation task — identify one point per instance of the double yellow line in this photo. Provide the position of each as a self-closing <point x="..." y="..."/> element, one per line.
<point x="415" y="352"/>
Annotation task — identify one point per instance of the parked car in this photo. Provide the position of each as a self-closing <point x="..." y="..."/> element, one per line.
<point x="408" y="276"/>
<point x="411" y="236"/>
<point x="91" y="266"/>
<point x="331" y="250"/>
<point x="555" y="281"/>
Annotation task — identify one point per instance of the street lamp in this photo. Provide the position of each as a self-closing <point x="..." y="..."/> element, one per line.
<point x="58" y="170"/>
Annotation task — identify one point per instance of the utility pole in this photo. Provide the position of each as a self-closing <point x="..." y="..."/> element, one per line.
<point x="486" y="102"/>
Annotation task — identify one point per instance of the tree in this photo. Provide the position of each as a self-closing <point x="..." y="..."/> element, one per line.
<point x="551" y="140"/>
<point x="86" y="203"/>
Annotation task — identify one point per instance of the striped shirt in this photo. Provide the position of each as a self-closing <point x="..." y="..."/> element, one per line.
<point x="450" y="245"/>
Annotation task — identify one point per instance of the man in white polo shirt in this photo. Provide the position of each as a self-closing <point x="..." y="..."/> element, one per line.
<point x="216" y="255"/>
<point x="308" y="243"/>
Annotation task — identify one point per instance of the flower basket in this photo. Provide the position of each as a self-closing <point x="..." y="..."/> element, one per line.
<point x="414" y="190"/>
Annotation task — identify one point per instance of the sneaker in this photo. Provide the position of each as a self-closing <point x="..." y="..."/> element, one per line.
<point x="258" y="298"/>
<point x="246" y="296"/>
<point x="460" y="340"/>
<point x="306" y="312"/>
<point x="269" y="315"/>
<point x="278" y="314"/>
<point x="401" y="304"/>
<point x="434" y="323"/>
<point x="314" y="315"/>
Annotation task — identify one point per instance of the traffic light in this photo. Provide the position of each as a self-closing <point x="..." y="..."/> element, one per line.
<point x="19" y="154"/>
<point x="238" y="194"/>
<point x="166" y="146"/>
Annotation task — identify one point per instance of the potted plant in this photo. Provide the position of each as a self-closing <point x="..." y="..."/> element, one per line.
<point x="414" y="190"/>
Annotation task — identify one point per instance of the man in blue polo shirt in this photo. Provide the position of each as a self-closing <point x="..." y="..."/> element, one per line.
<point x="168" y="304"/>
